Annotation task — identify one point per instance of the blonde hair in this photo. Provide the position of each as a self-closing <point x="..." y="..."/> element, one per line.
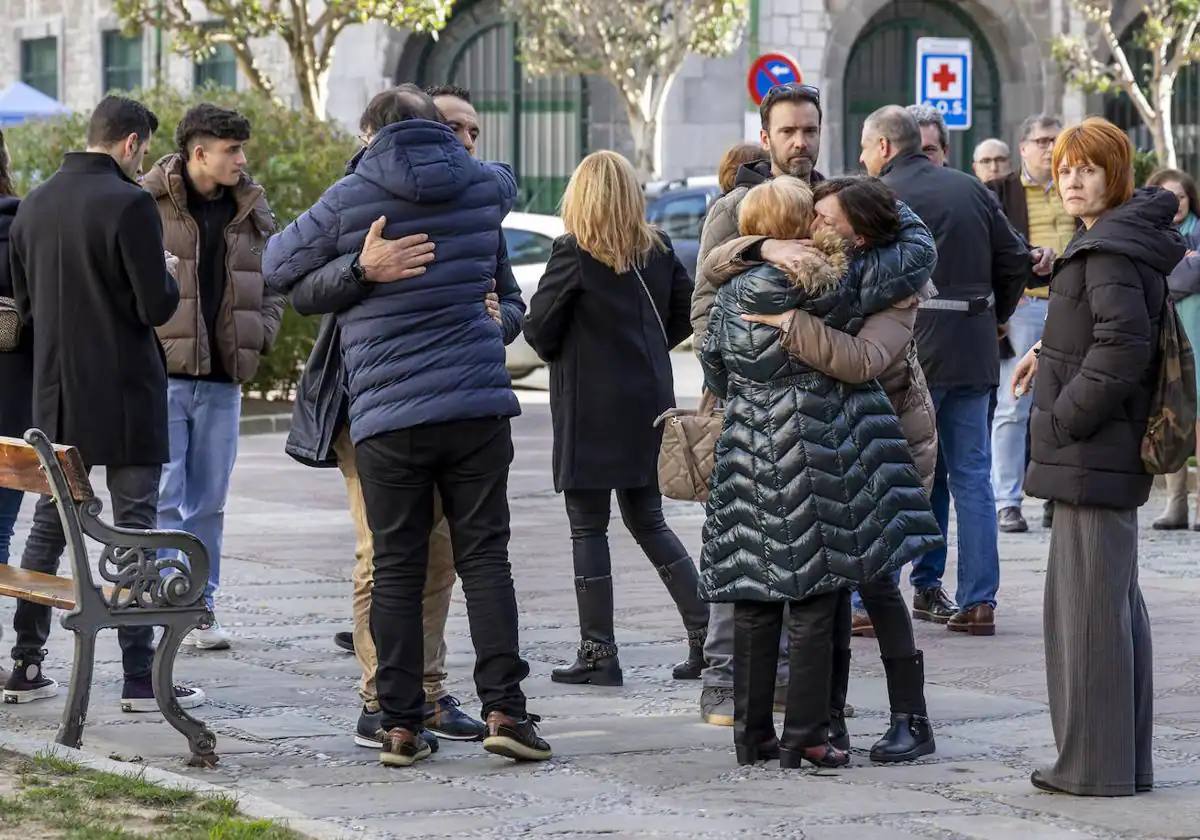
<point x="781" y="208"/>
<point x="603" y="207"/>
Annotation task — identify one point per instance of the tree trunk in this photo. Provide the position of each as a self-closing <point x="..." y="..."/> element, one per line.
<point x="1163" y="128"/>
<point x="309" y="82"/>
<point x="644" y="131"/>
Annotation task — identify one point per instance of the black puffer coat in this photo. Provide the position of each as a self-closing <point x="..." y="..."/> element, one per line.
<point x="814" y="487"/>
<point x="1099" y="362"/>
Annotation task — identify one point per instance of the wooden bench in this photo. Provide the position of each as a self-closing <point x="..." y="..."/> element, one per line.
<point x="141" y="589"/>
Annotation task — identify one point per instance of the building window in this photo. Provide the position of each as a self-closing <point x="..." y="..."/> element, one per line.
<point x="122" y="61"/>
<point x="218" y="67"/>
<point x="39" y="65"/>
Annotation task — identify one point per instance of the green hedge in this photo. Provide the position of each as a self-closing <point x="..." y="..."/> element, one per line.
<point x="293" y="155"/>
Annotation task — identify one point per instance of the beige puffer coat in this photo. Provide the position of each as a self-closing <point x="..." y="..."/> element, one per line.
<point x="250" y="314"/>
<point x="883" y="349"/>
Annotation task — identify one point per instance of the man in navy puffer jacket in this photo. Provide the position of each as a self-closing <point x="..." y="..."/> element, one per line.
<point x="430" y="402"/>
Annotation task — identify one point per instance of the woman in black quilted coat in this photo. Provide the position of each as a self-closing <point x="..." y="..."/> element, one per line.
<point x="814" y="489"/>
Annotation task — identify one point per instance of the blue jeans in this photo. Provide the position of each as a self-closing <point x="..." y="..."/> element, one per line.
<point x="964" y="472"/>
<point x="1011" y="424"/>
<point x="203" y="420"/>
<point x="10" y="506"/>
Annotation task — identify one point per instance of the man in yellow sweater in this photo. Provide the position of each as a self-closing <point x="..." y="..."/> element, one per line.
<point x="1034" y="208"/>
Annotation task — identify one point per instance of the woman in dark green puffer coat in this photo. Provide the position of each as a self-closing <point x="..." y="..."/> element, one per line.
<point x="814" y="488"/>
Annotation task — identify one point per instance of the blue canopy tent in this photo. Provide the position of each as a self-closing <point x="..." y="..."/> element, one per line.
<point x="19" y="102"/>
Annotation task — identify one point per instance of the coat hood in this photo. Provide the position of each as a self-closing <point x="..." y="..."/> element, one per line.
<point x="1140" y="229"/>
<point x="815" y="274"/>
<point x="166" y="179"/>
<point x="419" y="161"/>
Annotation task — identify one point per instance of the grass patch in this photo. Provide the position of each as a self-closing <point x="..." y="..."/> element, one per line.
<point x="50" y="797"/>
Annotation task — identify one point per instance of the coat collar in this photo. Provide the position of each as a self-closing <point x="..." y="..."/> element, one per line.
<point x="167" y="179"/>
<point x="95" y="163"/>
<point x="912" y="160"/>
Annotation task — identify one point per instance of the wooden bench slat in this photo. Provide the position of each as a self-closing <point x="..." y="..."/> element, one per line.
<point x="20" y="469"/>
<point x="40" y="588"/>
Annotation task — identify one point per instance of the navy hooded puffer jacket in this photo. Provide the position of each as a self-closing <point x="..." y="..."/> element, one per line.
<point x="423" y="350"/>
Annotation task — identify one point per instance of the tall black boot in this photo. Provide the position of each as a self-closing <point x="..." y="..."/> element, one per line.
<point x="910" y="734"/>
<point x="683" y="584"/>
<point x="596" y="663"/>
<point x="839" y="736"/>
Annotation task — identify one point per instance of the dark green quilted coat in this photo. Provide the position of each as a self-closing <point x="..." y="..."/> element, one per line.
<point x="814" y="487"/>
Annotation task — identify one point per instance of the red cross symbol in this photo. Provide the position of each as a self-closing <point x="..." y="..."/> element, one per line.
<point x="944" y="77"/>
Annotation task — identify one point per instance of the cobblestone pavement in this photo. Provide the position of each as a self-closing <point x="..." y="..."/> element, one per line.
<point x="633" y="761"/>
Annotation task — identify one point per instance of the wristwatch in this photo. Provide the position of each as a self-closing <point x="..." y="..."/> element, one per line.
<point x="357" y="272"/>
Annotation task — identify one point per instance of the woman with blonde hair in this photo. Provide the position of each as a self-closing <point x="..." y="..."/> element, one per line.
<point x="613" y="302"/>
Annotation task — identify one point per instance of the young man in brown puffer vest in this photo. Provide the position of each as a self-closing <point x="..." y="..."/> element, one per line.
<point x="216" y="221"/>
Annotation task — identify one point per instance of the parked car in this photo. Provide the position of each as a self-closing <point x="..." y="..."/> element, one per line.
<point x="530" y="238"/>
<point x="679" y="210"/>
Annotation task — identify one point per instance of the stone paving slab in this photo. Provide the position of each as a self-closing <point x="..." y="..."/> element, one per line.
<point x="633" y="761"/>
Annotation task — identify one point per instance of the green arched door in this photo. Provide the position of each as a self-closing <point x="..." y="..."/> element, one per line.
<point x="882" y="71"/>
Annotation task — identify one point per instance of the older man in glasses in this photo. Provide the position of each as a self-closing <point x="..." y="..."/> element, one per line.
<point x="1034" y="208"/>
<point x="992" y="160"/>
<point x="791" y="136"/>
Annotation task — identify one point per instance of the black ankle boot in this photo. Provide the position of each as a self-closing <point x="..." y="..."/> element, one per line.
<point x="839" y="736"/>
<point x="691" y="667"/>
<point x="752" y="754"/>
<point x="910" y="734"/>
<point x="683" y="585"/>
<point x="596" y="662"/>
<point x="908" y="738"/>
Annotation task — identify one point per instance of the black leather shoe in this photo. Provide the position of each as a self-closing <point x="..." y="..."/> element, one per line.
<point x="446" y="720"/>
<point x="691" y="667"/>
<point x="752" y="754"/>
<point x="1010" y="521"/>
<point x="822" y="755"/>
<point x="934" y="605"/>
<point x="908" y="738"/>
<point x="344" y="640"/>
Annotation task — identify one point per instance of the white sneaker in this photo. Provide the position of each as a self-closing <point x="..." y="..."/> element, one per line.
<point x="209" y="637"/>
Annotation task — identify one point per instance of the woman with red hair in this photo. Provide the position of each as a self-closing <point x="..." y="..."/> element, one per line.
<point x="1096" y="369"/>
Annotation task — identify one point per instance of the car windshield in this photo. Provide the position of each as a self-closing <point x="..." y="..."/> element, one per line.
<point x="526" y="247"/>
<point x="680" y="216"/>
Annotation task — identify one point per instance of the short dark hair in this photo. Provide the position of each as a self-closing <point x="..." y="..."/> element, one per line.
<point x="403" y="102"/>
<point x="1161" y="176"/>
<point x="869" y="205"/>
<point x="457" y="92"/>
<point x="1038" y="121"/>
<point x="899" y="126"/>
<point x="792" y="92"/>
<point x="208" y="120"/>
<point x="116" y="117"/>
<point x="928" y="115"/>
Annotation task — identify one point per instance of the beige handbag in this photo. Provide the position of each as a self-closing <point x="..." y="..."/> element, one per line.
<point x="686" y="456"/>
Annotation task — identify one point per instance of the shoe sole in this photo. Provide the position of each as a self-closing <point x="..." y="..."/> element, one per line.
<point x="145" y="706"/>
<point x="43" y="693"/>
<point x="604" y="683"/>
<point x="369" y="743"/>
<point x="714" y="719"/>
<point x="1014" y="529"/>
<point x="913" y="755"/>
<point x="1172" y="527"/>
<point x="924" y="615"/>
<point x="392" y="760"/>
<point x="973" y="629"/>
<point x="451" y="737"/>
<point x="514" y="749"/>
<point x="207" y="645"/>
<point x="863" y="632"/>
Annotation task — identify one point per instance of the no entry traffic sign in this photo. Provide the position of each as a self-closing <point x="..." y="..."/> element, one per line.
<point x="769" y="70"/>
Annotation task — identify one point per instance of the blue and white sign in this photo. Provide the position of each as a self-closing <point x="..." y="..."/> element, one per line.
<point x="944" y="78"/>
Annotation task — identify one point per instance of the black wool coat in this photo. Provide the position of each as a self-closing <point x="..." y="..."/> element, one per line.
<point x="86" y="253"/>
<point x="1099" y="361"/>
<point x="978" y="254"/>
<point x="16" y="367"/>
<point x="610" y="369"/>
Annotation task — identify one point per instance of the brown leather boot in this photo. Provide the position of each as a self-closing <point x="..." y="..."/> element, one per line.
<point x="860" y="625"/>
<point x="515" y="739"/>
<point x="979" y="620"/>
<point x="402" y="747"/>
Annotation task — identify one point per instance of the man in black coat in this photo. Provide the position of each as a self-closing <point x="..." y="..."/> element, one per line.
<point x="91" y="282"/>
<point x="981" y="273"/>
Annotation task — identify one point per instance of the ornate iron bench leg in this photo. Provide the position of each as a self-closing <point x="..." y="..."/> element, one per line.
<point x="70" y="734"/>
<point x="200" y="738"/>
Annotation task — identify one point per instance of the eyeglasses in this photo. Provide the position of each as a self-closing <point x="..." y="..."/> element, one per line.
<point x="992" y="161"/>
<point x="813" y="93"/>
<point x="1042" y="142"/>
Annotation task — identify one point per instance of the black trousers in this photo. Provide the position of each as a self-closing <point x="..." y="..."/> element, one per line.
<point x="756" y="629"/>
<point x="467" y="462"/>
<point x="893" y="630"/>
<point x="641" y="510"/>
<point x="134" y="492"/>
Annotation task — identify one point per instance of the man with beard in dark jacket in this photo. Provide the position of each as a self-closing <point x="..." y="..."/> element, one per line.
<point x="91" y="281"/>
<point x="981" y="273"/>
<point x="791" y="135"/>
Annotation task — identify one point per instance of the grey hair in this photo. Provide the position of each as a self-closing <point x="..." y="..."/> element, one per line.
<point x="995" y="141"/>
<point x="928" y="115"/>
<point x="1038" y="121"/>
<point x="896" y="124"/>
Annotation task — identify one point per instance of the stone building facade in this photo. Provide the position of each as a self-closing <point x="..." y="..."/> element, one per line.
<point x="859" y="52"/>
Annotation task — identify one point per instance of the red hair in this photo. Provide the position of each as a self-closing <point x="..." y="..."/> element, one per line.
<point x="1100" y="143"/>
